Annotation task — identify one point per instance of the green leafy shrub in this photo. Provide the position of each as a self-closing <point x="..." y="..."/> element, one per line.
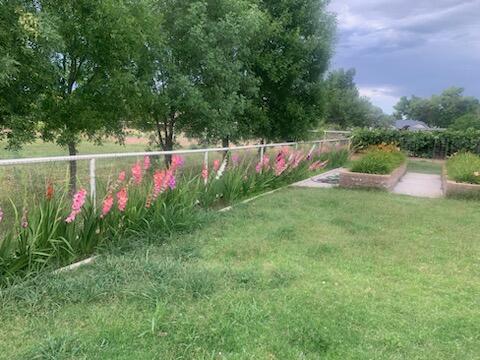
<point x="426" y="144"/>
<point x="464" y="167"/>
<point x="378" y="162"/>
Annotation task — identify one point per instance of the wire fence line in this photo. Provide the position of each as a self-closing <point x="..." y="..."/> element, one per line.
<point x="92" y="158"/>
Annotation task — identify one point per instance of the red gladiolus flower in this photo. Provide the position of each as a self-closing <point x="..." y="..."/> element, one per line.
<point x="49" y="192"/>
<point x="216" y="165"/>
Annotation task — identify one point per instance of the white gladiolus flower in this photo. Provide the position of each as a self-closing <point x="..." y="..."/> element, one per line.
<point x="222" y="168"/>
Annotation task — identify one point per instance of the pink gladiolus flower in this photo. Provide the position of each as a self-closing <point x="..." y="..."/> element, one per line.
<point x="170" y="180"/>
<point x="77" y="204"/>
<point x="122" y="176"/>
<point x="24" y="222"/>
<point x="235" y="159"/>
<point x="297" y="159"/>
<point x="317" y="165"/>
<point x="216" y="165"/>
<point x="122" y="198"/>
<point x="137" y="173"/>
<point x="263" y="165"/>
<point x="177" y="162"/>
<point x="107" y="205"/>
<point x="146" y="162"/>
<point x="1" y="214"/>
<point x="280" y="166"/>
<point x="158" y="183"/>
<point x="205" y="173"/>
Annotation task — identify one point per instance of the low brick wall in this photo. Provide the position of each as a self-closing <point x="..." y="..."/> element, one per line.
<point x="350" y="179"/>
<point x="453" y="188"/>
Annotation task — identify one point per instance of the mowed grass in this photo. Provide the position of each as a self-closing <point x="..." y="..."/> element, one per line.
<point x="300" y="274"/>
<point x="424" y="166"/>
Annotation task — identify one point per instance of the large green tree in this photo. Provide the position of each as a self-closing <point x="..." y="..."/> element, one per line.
<point x="90" y="45"/>
<point x="23" y="70"/>
<point x="345" y="108"/>
<point x="290" y="59"/>
<point x="193" y="76"/>
<point x="438" y="110"/>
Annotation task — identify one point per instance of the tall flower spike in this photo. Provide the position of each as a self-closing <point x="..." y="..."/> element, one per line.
<point x="122" y="199"/>
<point x="49" y="192"/>
<point x="205" y="173"/>
<point x="146" y="162"/>
<point x="122" y="176"/>
<point x="77" y="204"/>
<point x="177" y="162"/>
<point x="137" y="173"/>
<point x="1" y="214"/>
<point x="24" y="222"/>
<point x="107" y="205"/>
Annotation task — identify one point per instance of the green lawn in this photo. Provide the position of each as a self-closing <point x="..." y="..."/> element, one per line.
<point x="301" y="274"/>
<point x="424" y="166"/>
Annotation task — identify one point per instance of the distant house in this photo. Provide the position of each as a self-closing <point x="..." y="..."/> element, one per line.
<point x="411" y="125"/>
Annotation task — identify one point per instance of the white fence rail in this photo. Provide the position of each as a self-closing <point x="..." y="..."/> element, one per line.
<point x="93" y="157"/>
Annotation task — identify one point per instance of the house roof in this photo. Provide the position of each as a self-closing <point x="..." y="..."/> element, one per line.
<point x="410" y="125"/>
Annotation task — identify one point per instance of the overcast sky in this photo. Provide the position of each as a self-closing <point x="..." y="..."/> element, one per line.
<point x="405" y="47"/>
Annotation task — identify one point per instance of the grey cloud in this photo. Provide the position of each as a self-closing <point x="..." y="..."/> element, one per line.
<point x="413" y="46"/>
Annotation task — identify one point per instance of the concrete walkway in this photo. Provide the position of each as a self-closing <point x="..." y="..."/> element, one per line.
<point x="421" y="185"/>
<point x="328" y="179"/>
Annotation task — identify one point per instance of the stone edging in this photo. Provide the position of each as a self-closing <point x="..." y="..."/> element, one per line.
<point x="453" y="188"/>
<point x="350" y="179"/>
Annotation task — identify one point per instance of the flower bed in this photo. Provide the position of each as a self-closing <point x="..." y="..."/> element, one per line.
<point x="58" y="229"/>
<point x="380" y="167"/>
<point x="461" y="175"/>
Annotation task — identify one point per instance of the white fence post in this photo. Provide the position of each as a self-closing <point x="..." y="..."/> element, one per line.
<point x="205" y="164"/>
<point x="93" y="185"/>
<point x="261" y="157"/>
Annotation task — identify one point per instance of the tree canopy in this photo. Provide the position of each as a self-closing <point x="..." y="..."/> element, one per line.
<point x="345" y="107"/>
<point x="438" y="110"/>
<point x="212" y="69"/>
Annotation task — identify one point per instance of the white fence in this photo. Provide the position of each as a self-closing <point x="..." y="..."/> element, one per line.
<point x="93" y="157"/>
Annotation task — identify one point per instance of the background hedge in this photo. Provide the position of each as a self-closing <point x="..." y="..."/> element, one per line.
<point x="427" y="144"/>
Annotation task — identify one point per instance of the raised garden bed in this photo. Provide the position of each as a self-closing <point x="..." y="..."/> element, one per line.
<point x="461" y="176"/>
<point x="453" y="188"/>
<point x="349" y="179"/>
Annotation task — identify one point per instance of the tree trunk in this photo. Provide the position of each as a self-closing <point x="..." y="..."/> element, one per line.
<point x="225" y="144"/>
<point x="168" y="146"/>
<point x="72" y="184"/>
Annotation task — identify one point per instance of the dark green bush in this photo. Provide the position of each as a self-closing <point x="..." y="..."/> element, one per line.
<point x="378" y="162"/>
<point x="426" y="144"/>
<point x="464" y="167"/>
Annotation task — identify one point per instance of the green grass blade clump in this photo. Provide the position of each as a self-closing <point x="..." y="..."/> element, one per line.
<point x="464" y="167"/>
<point x="378" y="162"/>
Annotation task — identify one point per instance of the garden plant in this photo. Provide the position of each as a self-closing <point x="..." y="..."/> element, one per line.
<point x="381" y="159"/>
<point x="56" y="229"/>
<point x="464" y="168"/>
